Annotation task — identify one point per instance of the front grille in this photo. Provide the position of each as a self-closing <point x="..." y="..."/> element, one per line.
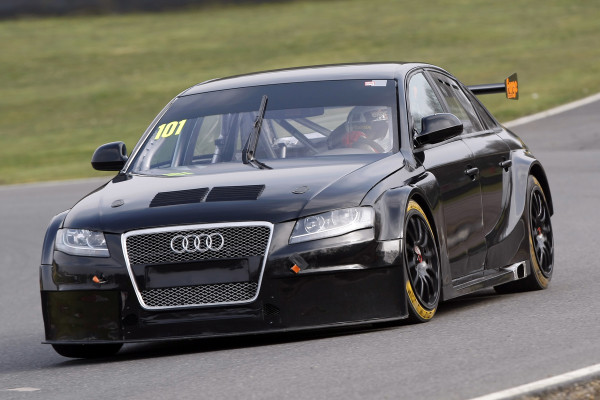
<point x="239" y="242"/>
<point x="242" y="242"/>
<point x="200" y="295"/>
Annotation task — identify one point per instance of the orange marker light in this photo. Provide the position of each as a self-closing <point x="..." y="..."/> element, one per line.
<point x="512" y="87"/>
<point x="96" y="279"/>
<point x="295" y="269"/>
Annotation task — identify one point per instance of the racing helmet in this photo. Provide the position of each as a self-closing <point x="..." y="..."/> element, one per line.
<point x="373" y="121"/>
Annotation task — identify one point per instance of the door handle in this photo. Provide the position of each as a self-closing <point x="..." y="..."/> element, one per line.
<point x="472" y="172"/>
<point x="506" y="164"/>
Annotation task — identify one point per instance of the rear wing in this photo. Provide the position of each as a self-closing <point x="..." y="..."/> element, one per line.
<point x="510" y="86"/>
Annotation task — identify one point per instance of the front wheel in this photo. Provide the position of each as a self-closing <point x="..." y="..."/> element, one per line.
<point x="422" y="266"/>
<point x="87" y="350"/>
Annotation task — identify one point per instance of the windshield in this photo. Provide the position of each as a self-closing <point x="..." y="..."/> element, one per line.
<point x="308" y="119"/>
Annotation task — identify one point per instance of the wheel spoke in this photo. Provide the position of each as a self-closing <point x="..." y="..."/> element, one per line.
<point x="419" y="233"/>
<point x="422" y="262"/>
<point x="419" y="286"/>
<point x="425" y="241"/>
<point x="548" y="260"/>
<point x="542" y="215"/>
<point x="540" y="256"/>
<point x="431" y="272"/>
<point x="538" y="205"/>
<point x="429" y="282"/>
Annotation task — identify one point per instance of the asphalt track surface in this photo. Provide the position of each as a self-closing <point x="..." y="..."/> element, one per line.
<point x="475" y="345"/>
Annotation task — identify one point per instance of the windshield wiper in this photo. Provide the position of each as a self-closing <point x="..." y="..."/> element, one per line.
<point x="250" y="147"/>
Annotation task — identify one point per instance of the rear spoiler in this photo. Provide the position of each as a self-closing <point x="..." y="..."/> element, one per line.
<point x="510" y="86"/>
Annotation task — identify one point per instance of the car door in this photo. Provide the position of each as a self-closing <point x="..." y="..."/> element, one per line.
<point x="491" y="155"/>
<point x="459" y="192"/>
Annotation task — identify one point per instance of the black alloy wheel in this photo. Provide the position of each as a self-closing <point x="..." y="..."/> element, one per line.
<point x="541" y="231"/>
<point x="422" y="265"/>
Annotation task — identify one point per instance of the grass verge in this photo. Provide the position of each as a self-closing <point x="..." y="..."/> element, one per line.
<point x="71" y="84"/>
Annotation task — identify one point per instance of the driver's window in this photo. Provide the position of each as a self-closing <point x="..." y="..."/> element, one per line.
<point x="458" y="103"/>
<point x="422" y="100"/>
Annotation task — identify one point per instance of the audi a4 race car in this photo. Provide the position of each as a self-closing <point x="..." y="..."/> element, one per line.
<point x="295" y="199"/>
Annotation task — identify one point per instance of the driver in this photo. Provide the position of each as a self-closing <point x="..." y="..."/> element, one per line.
<point x="366" y="128"/>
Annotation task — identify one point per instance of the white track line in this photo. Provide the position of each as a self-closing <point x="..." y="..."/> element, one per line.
<point x="553" y="111"/>
<point x="544" y="384"/>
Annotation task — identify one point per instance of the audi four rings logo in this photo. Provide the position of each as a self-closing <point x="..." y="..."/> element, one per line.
<point x="197" y="243"/>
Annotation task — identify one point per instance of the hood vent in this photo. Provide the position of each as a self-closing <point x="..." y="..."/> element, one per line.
<point x="235" y="193"/>
<point x="179" y="197"/>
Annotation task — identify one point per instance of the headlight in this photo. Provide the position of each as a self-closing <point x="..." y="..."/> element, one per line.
<point x="332" y="223"/>
<point x="81" y="242"/>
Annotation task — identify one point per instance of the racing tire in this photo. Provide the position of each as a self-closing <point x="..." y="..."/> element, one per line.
<point x="87" y="350"/>
<point x="422" y="266"/>
<point x="541" y="243"/>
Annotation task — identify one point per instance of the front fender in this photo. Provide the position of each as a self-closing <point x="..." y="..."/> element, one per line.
<point x="390" y="210"/>
<point x="48" y="247"/>
<point x="46" y="281"/>
<point x="391" y="206"/>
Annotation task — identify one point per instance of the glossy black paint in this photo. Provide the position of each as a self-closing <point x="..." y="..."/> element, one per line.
<point x="438" y="127"/>
<point x="471" y="186"/>
<point x="328" y="182"/>
<point x="110" y="157"/>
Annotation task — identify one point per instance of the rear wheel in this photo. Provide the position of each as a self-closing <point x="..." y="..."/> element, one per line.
<point x="422" y="264"/>
<point x="541" y="242"/>
<point x="87" y="350"/>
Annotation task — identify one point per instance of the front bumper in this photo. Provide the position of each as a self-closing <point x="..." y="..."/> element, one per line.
<point x="347" y="280"/>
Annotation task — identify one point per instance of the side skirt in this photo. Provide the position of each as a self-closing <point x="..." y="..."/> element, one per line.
<point x="502" y="275"/>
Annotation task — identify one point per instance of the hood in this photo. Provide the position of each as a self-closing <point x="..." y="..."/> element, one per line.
<point x="231" y="193"/>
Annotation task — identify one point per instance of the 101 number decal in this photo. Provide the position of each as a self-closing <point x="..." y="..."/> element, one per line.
<point x="166" y="130"/>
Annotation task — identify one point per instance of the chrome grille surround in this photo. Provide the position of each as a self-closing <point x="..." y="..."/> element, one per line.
<point x="152" y="246"/>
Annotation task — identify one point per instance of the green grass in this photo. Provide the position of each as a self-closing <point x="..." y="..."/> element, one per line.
<point x="69" y="84"/>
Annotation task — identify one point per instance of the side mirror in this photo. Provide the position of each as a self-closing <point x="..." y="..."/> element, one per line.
<point x="438" y="127"/>
<point x="110" y="157"/>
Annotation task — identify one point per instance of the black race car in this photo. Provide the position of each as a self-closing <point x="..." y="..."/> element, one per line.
<point x="295" y="199"/>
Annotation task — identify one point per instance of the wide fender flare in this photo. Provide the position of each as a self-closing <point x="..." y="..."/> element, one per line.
<point x="50" y="237"/>
<point x="524" y="165"/>
<point x="391" y="207"/>
<point x="538" y="171"/>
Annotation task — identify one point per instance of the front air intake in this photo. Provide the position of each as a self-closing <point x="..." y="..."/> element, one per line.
<point x="235" y="193"/>
<point x="179" y="197"/>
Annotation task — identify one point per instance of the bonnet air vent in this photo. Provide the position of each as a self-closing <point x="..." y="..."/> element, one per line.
<point x="235" y="193"/>
<point x="179" y="197"/>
